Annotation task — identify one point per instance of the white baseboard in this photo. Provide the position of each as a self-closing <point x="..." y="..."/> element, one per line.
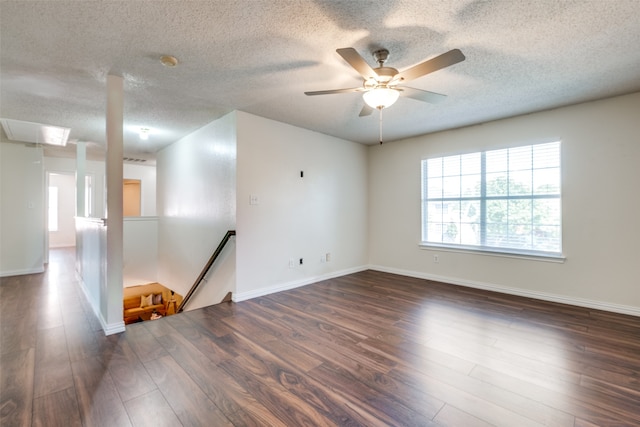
<point x="112" y="328"/>
<point x="108" y="328"/>
<point x="563" y="299"/>
<point x="22" y="272"/>
<point x="243" y="296"/>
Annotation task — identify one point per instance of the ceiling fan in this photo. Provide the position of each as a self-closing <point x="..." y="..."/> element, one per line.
<point x="381" y="87"/>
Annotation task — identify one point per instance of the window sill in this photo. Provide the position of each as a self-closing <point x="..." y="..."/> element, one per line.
<point x="533" y="256"/>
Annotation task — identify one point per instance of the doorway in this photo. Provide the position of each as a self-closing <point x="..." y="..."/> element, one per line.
<point x="131" y="197"/>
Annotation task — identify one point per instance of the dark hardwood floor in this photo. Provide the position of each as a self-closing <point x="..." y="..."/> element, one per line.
<point x="368" y="349"/>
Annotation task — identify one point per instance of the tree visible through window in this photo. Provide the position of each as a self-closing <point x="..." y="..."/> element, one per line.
<point x="502" y="200"/>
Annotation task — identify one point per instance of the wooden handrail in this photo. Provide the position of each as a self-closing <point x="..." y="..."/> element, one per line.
<point x="206" y="268"/>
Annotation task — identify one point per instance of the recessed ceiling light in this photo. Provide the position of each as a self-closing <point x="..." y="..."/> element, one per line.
<point x="168" y="61"/>
<point x="144" y="133"/>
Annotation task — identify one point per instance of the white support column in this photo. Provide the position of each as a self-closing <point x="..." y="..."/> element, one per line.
<point x="81" y="172"/>
<point x="111" y="297"/>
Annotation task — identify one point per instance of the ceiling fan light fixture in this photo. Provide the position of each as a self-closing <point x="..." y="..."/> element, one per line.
<point x="381" y="97"/>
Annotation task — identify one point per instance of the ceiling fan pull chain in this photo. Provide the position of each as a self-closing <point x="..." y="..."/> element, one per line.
<point x="380" y="125"/>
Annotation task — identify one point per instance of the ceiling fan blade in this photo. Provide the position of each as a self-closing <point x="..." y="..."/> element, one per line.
<point x="366" y="111"/>
<point x="329" y="92"/>
<point x="422" y="95"/>
<point x="354" y="59"/>
<point x="434" y="64"/>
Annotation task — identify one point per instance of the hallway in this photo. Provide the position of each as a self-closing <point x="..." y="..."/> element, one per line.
<point x="47" y="326"/>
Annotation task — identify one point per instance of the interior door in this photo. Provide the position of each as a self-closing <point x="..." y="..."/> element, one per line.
<point x="131" y="197"/>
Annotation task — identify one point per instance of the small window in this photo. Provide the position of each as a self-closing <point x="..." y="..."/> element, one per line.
<point x="53" y="209"/>
<point x="88" y="196"/>
<point x="501" y="201"/>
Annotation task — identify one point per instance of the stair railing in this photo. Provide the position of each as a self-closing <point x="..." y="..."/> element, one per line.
<point x="206" y="269"/>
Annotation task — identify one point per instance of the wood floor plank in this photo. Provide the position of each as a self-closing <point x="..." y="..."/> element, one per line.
<point x="209" y="320"/>
<point x="151" y="410"/>
<point x="454" y="395"/>
<point x="523" y="367"/>
<point x="570" y="401"/>
<point x="127" y="371"/>
<point x="272" y="368"/>
<point x="387" y="410"/>
<point x="144" y="343"/>
<point x="18" y="330"/>
<point x="53" y="366"/>
<point x="350" y="365"/>
<point x="188" y="401"/>
<point x="81" y="341"/>
<point x="353" y="324"/>
<point x="453" y="417"/>
<point x="272" y="395"/>
<point x="59" y="409"/>
<point x="157" y="329"/>
<point x="16" y="387"/>
<point x="215" y="347"/>
<point x="219" y="387"/>
<point x="200" y="363"/>
<point x="296" y="356"/>
<point x="417" y="354"/>
<point x="437" y="375"/>
<point x="255" y="414"/>
<point x="98" y="399"/>
<point x="50" y="316"/>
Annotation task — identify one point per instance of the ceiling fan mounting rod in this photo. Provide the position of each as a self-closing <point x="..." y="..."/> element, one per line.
<point x="381" y="55"/>
<point x="380" y="125"/>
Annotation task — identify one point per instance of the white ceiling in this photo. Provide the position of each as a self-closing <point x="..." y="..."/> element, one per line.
<point x="259" y="56"/>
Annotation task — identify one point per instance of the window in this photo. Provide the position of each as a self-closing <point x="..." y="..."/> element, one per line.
<point x="88" y="196"/>
<point x="53" y="209"/>
<point x="502" y="200"/>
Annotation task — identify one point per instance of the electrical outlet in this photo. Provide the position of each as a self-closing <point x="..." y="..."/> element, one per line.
<point x="301" y="261"/>
<point x="436" y="259"/>
<point x="292" y="263"/>
<point x="327" y="256"/>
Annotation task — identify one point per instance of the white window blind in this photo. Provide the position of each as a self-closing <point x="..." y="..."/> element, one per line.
<point x="502" y="200"/>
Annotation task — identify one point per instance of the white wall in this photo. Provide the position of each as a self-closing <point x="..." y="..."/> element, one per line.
<point x="196" y="181"/>
<point x="326" y="211"/>
<point x="139" y="250"/>
<point x="91" y="262"/>
<point x="22" y="218"/>
<point x="65" y="235"/>
<point x="600" y="206"/>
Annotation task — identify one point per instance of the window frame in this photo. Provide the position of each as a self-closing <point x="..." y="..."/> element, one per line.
<point x="483" y="199"/>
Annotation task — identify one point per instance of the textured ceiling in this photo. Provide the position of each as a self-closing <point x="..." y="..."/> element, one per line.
<point x="259" y="56"/>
